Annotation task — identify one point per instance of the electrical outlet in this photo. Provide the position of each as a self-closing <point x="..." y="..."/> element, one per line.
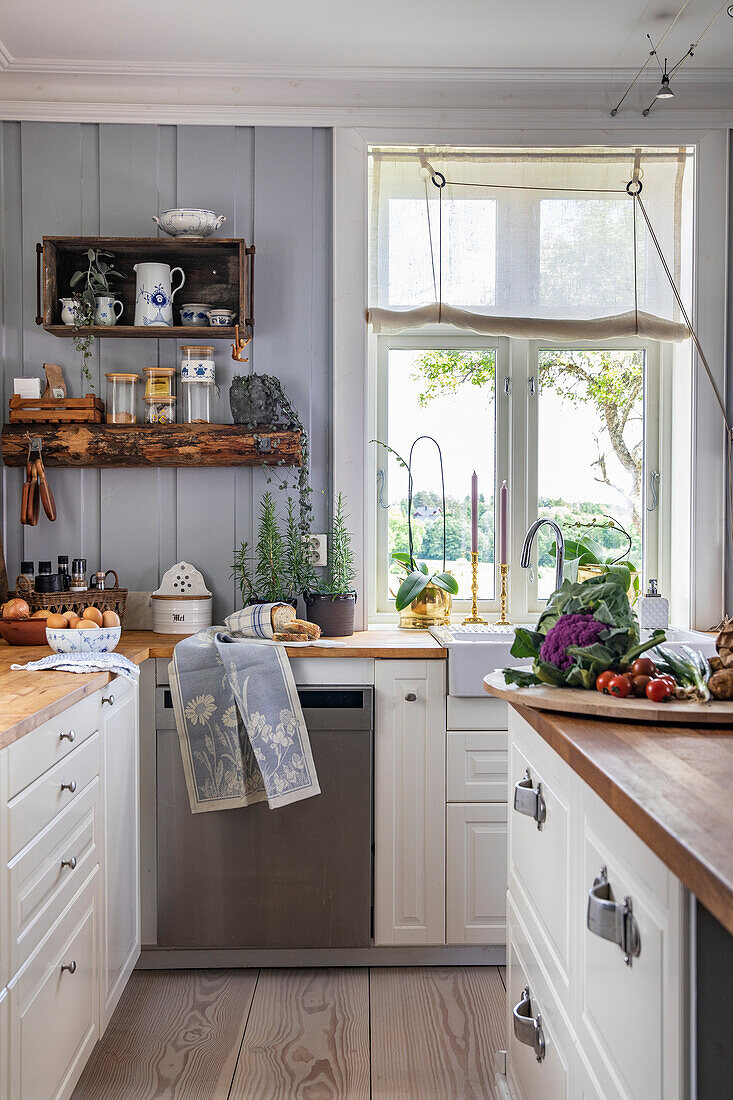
<point x="318" y="549"/>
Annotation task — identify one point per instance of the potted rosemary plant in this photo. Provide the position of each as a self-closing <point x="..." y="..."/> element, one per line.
<point x="332" y="605"/>
<point x="264" y="576"/>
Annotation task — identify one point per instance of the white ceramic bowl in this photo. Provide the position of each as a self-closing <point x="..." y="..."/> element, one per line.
<point x="189" y="221"/>
<point x="69" y="640"/>
<point x="195" y="313"/>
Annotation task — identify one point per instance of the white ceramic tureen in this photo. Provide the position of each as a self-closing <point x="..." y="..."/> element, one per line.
<point x="189" y="221"/>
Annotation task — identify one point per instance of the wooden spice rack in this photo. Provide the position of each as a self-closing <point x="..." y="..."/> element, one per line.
<point x="219" y="271"/>
<point x="125" y="446"/>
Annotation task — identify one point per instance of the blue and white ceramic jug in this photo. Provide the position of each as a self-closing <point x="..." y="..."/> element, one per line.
<point x="153" y="294"/>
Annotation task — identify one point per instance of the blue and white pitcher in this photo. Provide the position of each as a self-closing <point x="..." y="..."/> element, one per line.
<point x="153" y="294"/>
<point x="107" y="310"/>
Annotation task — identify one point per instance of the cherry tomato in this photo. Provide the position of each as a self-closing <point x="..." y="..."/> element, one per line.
<point x="638" y="685"/>
<point x="620" y="686"/>
<point x="658" y="690"/>
<point x="643" y="666"/>
<point x="602" y="681"/>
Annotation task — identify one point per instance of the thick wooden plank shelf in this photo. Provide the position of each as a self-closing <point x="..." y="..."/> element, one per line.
<point x="134" y="445"/>
<point x="218" y="270"/>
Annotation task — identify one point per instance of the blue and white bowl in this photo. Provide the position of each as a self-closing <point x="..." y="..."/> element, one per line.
<point x="69" y="640"/>
<point x="221" y="317"/>
<point x="195" y="313"/>
<point x="189" y="221"/>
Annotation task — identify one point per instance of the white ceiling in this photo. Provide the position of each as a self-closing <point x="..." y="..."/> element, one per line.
<point x="453" y="34"/>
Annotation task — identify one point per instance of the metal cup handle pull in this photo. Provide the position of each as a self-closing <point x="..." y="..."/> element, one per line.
<point x="529" y="800"/>
<point x="528" y="1029"/>
<point x="613" y="920"/>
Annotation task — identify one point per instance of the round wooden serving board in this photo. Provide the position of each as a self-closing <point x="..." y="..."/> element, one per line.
<point x="595" y="704"/>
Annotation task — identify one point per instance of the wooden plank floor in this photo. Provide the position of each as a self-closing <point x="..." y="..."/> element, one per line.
<point x="397" y="1033"/>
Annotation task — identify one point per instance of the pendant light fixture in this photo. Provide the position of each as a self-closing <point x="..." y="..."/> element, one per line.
<point x="665" y="90"/>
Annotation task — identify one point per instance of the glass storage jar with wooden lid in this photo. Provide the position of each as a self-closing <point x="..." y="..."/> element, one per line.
<point x="122" y="398"/>
<point x="197" y="396"/>
<point x="160" y="410"/>
<point x="159" y="382"/>
<point x="197" y="361"/>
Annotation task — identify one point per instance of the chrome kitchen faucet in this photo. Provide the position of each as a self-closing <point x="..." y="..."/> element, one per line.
<point x="525" y="560"/>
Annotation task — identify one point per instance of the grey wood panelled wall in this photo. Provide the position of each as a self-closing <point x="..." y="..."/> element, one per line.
<point x="274" y="185"/>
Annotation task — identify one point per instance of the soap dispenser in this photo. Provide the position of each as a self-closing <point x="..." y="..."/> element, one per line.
<point x="653" y="609"/>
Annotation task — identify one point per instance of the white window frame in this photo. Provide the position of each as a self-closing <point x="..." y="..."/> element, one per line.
<point x="516" y="456"/>
<point x="698" y="542"/>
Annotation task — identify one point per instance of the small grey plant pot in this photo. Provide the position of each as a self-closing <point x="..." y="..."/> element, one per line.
<point x="334" y="614"/>
<point x="252" y="404"/>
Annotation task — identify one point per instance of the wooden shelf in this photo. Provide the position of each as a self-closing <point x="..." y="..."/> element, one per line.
<point x="218" y="270"/>
<point x="134" y="445"/>
<point x="199" y="334"/>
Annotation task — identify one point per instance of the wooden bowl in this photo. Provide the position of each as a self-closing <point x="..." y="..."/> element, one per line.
<point x="23" y="631"/>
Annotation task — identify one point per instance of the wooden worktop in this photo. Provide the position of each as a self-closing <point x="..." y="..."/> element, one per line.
<point x="670" y="784"/>
<point x="28" y="699"/>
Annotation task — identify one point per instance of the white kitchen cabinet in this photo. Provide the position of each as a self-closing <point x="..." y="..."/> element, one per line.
<point x="4" y="1047"/>
<point x="409" y="802"/>
<point x="120" y="943"/>
<point x="625" y="1012"/>
<point x="476" y="873"/>
<point x="54" y="1004"/>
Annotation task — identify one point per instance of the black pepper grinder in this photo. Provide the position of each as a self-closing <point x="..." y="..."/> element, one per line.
<point x="63" y="569"/>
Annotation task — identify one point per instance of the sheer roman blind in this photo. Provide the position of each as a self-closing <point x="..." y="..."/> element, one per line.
<point x="530" y="243"/>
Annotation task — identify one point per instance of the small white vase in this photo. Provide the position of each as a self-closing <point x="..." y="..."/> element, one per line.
<point x="106" y="311"/>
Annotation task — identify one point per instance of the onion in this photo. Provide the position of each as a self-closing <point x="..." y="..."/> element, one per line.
<point x="15" y="609"/>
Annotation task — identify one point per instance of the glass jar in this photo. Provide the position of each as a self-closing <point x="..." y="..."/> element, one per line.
<point x="197" y="362"/>
<point x="197" y="398"/>
<point x="122" y="398"/>
<point x="160" y="410"/>
<point x="159" y="381"/>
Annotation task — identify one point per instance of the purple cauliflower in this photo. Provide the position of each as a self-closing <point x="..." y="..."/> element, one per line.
<point x="577" y="629"/>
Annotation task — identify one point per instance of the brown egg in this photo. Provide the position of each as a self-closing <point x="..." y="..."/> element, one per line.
<point x="69" y="615"/>
<point x="110" y="618"/>
<point x="56" y="622"/>
<point x="93" y="614"/>
<point x="40" y="614"/>
<point x="74" y="621"/>
<point x="86" y="624"/>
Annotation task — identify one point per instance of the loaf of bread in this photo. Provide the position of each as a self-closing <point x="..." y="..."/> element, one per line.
<point x="284" y="621"/>
<point x="281" y="617"/>
<point x="291" y="636"/>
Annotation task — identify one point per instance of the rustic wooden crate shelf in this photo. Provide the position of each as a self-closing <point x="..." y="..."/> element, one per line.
<point x="218" y="270"/>
<point x="130" y="445"/>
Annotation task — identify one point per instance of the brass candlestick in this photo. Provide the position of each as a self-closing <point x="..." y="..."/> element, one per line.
<point x="503" y="596"/>
<point x="474" y="617"/>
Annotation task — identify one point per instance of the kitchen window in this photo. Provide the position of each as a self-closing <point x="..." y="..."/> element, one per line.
<point x="574" y="430"/>
<point x="521" y="242"/>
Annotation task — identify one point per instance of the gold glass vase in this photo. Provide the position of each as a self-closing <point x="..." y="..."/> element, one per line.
<point x="431" y="608"/>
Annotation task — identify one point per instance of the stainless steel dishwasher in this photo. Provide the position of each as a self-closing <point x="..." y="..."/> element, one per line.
<point x="298" y="876"/>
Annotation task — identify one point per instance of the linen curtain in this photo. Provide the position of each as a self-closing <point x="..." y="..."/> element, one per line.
<point x="529" y="243"/>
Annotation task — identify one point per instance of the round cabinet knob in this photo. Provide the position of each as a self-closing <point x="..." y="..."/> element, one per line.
<point x="70" y="863"/>
<point x="71" y="967"/>
<point x="71" y="787"/>
<point x="410" y="696"/>
<point x="109" y="699"/>
<point x="70" y="736"/>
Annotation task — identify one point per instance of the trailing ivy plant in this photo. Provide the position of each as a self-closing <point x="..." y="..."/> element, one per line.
<point x="87" y="283"/>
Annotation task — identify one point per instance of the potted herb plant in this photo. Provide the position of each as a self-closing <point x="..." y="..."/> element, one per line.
<point x="89" y="284"/>
<point x="333" y="604"/>
<point x="263" y="577"/>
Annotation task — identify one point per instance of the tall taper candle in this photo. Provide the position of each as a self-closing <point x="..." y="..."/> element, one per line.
<point x="474" y="513"/>
<point x="503" y="497"/>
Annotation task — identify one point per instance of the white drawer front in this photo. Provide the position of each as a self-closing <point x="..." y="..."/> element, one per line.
<point x="54" y="1013"/>
<point x="47" y="873"/>
<point x="30" y="811"/>
<point x="477" y="766"/>
<point x="466" y="713"/>
<point x="39" y="750"/>
<point x="476" y="874"/>
<point x="629" y="1017"/>
<point x="530" y="1079"/>
<point x="539" y="859"/>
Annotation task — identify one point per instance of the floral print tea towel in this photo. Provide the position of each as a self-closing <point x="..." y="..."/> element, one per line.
<point x="240" y="725"/>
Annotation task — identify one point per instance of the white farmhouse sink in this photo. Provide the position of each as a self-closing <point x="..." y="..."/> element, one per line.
<point x="475" y="651"/>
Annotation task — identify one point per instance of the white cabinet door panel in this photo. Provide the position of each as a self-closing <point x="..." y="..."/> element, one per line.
<point x="476" y="874"/>
<point x="530" y="1079"/>
<point x="477" y="762"/>
<point x="121" y="863"/>
<point x="4" y="1045"/>
<point x="409" y="801"/>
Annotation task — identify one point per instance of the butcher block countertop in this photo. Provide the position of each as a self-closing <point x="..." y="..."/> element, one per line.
<point x="27" y="699"/>
<point x="670" y="784"/>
